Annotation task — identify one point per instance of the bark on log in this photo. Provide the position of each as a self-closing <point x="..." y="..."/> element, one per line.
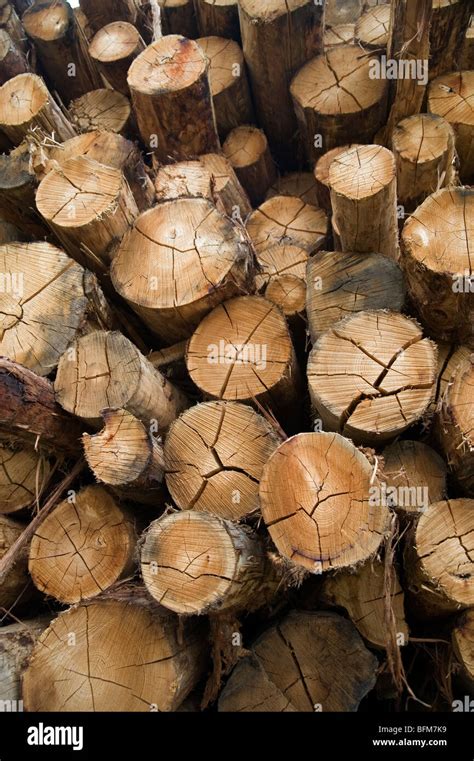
<point x="277" y="40"/>
<point x="178" y="278"/>
<point x="436" y="245"/>
<point x="372" y="375"/>
<point x="104" y="369"/>
<point x="178" y="17"/>
<point x="101" y="109"/>
<point x="286" y="220"/>
<point x="247" y="150"/>
<point x="12" y="58"/>
<point x="10" y="22"/>
<point x="314" y="496"/>
<point x="29" y="413"/>
<point x="415" y="476"/>
<point x="52" y="300"/>
<point x="363" y="186"/>
<point x="340" y="283"/>
<point x="364" y="595"/>
<point x="26" y="104"/>
<point x="439" y="559"/>
<point x="61" y="47"/>
<point x="113" y="48"/>
<point x="298" y="184"/>
<point x="83" y="547"/>
<point x="373" y="27"/>
<point x="196" y="563"/>
<point x="229" y="85"/>
<point x="17" y="192"/>
<point x="127" y="457"/>
<point x="16" y="588"/>
<point x="172" y="99"/>
<point x="462" y="639"/>
<point x="243" y="351"/>
<point x="214" y="456"/>
<point x="423" y="146"/>
<point x="23" y="475"/>
<point x="321" y="175"/>
<point x="101" y="13"/>
<point x="128" y="656"/>
<point x="335" y="99"/>
<point x="467" y="55"/>
<point x="89" y="207"/>
<point x="450" y="96"/>
<point x="9" y="233"/>
<point x="219" y="18"/>
<point x="307" y="662"/>
<point x="16" y="643"/>
<point x="449" y="23"/>
<point x="455" y="428"/>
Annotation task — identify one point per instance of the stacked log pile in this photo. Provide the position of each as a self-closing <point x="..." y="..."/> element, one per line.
<point x="236" y="355"/>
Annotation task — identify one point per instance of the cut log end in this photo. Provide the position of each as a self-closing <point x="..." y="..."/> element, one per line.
<point x="285" y="219"/>
<point x="102" y="109"/>
<point x="415" y="475"/>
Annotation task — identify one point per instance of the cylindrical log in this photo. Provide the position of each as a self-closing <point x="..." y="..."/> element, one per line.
<point x="321" y="176"/>
<point x="101" y="13"/>
<point x="341" y="34"/>
<point x="89" y="207"/>
<point x="128" y="654"/>
<point x="23" y="474"/>
<point x="178" y="17"/>
<point x="372" y="28"/>
<point x="104" y="369"/>
<point x="277" y="40"/>
<point x="363" y="184"/>
<point x="214" y="456"/>
<point x="462" y="638"/>
<point x="451" y="96"/>
<point x="196" y="563"/>
<point x="242" y="351"/>
<point x="16" y="644"/>
<point x="228" y="192"/>
<point x="415" y="477"/>
<point x="286" y="220"/>
<point x="16" y="588"/>
<point x="12" y="58"/>
<point x="340" y="283"/>
<point x="436" y="258"/>
<point x="50" y="301"/>
<point x="177" y="278"/>
<point x="10" y="23"/>
<point x="172" y="99"/>
<point x="314" y="496"/>
<point x="29" y="413"/>
<point x="110" y="149"/>
<point x="113" y="48"/>
<point x="449" y="22"/>
<point x="423" y="146"/>
<point x="229" y="85"/>
<point x="26" y="104"/>
<point x="298" y="184"/>
<point x="362" y="592"/>
<point x="218" y="18"/>
<point x="246" y="148"/>
<point x="83" y="547"/>
<point x="313" y="662"/>
<point x="281" y="278"/>
<point x="101" y="109"/>
<point x="17" y="192"/>
<point x="335" y="99"/>
<point x="439" y="559"/>
<point x="455" y="427"/>
<point x="372" y="375"/>
<point x="126" y="456"/>
<point x="61" y="48"/>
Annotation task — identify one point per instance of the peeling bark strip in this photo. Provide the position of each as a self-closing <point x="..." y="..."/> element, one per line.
<point x="437" y="242"/>
<point x="363" y="186"/>
<point x="278" y="37"/>
<point x="62" y="48"/>
<point x="113" y="49"/>
<point x="29" y="413"/>
<point x="26" y="104"/>
<point x="172" y="99"/>
<point x="247" y="150"/>
<point x="286" y="219"/>
<point x="451" y="96"/>
<point x="51" y="300"/>
<point x="335" y="99"/>
<point x="196" y="563"/>
<point x="439" y="558"/>
<point x="191" y="259"/>
<point x="214" y="456"/>
<point x="83" y="547"/>
<point x="372" y="375"/>
<point x="308" y="662"/>
<point x="243" y="351"/>
<point x="455" y="424"/>
<point x="416" y="474"/>
<point x="104" y="369"/>
<point x="314" y="495"/>
<point x="126" y="655"/>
